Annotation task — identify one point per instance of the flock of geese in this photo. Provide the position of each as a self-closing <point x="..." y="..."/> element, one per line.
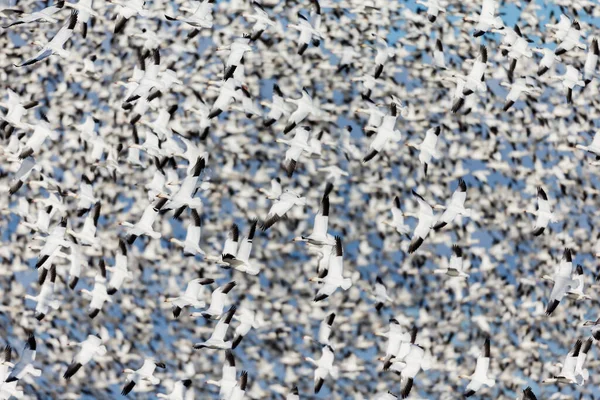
<point x="299" y="199"/>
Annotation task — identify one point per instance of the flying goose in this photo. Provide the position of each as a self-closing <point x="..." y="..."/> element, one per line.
<point x="426" y="221"/>
<point x="191" y="296"/>
<point x="324" y="367"/>
<point x="145" y="373"/>
<point x="335" y="274"/>
<point x="456" y="206"/>
<point x="89" y="348"/>
<point x="480" y="376"/>
<point x="217" y="338"/>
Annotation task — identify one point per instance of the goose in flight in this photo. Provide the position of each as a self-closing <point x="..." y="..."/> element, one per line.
<point x="380" y="294"/>
<point x="57" y="44"/>
<point x="86" y="11"/>
<point x="516" y="51"/>
<point x="475" y="81"/>
<point x="335" y="274"/>
<point x="575" y="292"/>
<point x="144" y="225"/>
<point x="228" y="377"/>
<point x="434" y="8"/>
<point x="305" y="106"/>
<point x="126" y="10"/>
<point x="25" y="365"/>
<point x="239" y="390"/>
<point x="427" y="150"/>
<point x="191" y="296"/>
<point x="91" y="347"/>
<point x="46" y="14"/>
<point x="99" y="294"/>
<point x="261" y="21"/>
<point x="277" y="107"/>
<point x="426" y="221"/>
<point x="199" y="18"/>
<point x="543" y="214"/>
<point x="239" y="258"/>
<point x="561" y="28"/>
<point x="594" y="147"/>
<point x="591" y="62"/>
<point x="217" y="338"/>
<point x="309" y="28"/>
<point x="547" y="61"/>
<point x="516" y="88"/>
<point x="486" y="19"/>
<point x="217" y="302"/>
<point x="286" y="201"/>
<point x="582" y="374"/>
<point x="45" y="299"/>
<point x="41" y="131"/>
<point x="5" y="366"/>
<point x="570" y="40"/>
<point x="87" y="235"/>
<point x="528" y="394"/>
<point x="145" y="373"/>
<point x="456" y="206"/>
<point x="480" y="376"/>
<point x="275" y="191"/>
<point x="325" y="329"/>
<point x="54" y="242"/>
<point x="398" y="343"/>
<point x="570" y="79"/>
<point x="191" y="244"/>
<point x="227" y="94"/>
<point x="414" y="362"/>
<point x="237" y="49"/>
<point x="85" y="197"/>
<point x="15" y="110"/>
<point x="248" y="321"/>
<point x="298" y="145"/>
<point x="561" y="280"/>
<point x="324" y="367"/>
<point x="567" y="373"/>
<point x="398" y="218"/>
<point x="28" y="165"/>
<point x="179" y="390"/>
<point x="319" y="235"/>
<point x="384" y="52"/>
<point x="120" y="272"/>
<point x="385" y="133"/>
<point x="455" y="268"/>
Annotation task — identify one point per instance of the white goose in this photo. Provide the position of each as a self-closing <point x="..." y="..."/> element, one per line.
<point x="25" y="365"/>
<point x="567" y="373"/>
<point x="120" y="272"/>
<point x="191" y="296"/>
<point x="480" y="376"/>
<point x="386" y="132"/>
<point x="217" y="338"/>
<point x="543" y="214"/>
<point x="456" y="206"/>
<point x="319" y="235"/>
<point x="427" y="148"/>
<point x="191" y="244"/>
<point x="455" y="268"/>
<point x="56" y="45"/>
<point x="286" y="201"/>
<point x="145" y="373"/>
<point x="239" y="258"/>
<point x="298" y="145"/>
<point x="305" y="106"/>
<point x="594" y="147"/>
<point x="99" y="294"/>
<point x="335" y="274"/>
<point x="144" y="225"/>
<point x="426" y="221"/>
<point x="398" y="218"/>
<point x="562" y="281"/>
<point x="91" y="347"/>
<point x="228" y="378"/>
<point x="324" y="367"/>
